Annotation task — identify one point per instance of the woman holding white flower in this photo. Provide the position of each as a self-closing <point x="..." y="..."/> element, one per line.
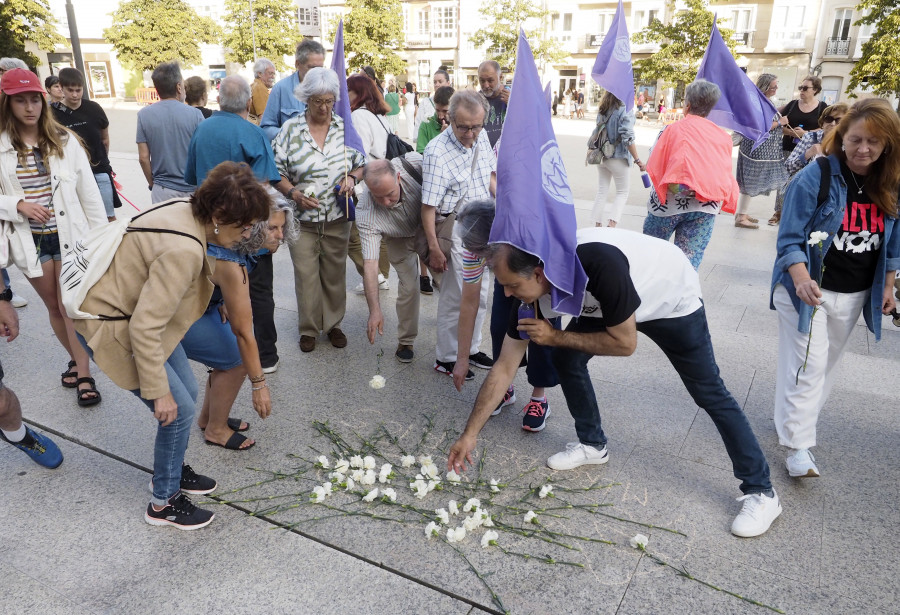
<point x="838" y="253"/>
<point x="49" y="197"/>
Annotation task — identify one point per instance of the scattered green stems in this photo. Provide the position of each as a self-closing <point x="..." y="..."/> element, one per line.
<point x="682" y="572"/>
<point x="541" y="558"/>
<point x="481" y="578"/>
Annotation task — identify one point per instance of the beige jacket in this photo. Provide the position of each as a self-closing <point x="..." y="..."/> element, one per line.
<point x="162" y="282"/>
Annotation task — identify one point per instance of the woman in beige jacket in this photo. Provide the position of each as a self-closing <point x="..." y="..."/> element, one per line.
<point x="155" y="288"/>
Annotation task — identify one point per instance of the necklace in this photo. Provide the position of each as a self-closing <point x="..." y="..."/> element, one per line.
<point x="859" y="187"/>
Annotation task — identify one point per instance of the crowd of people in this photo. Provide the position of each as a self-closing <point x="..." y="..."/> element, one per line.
<point x="193" y="278"/>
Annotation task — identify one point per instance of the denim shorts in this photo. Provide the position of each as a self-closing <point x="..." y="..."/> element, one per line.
<point x="47" y="246"/>
<point x="211" y="342"/>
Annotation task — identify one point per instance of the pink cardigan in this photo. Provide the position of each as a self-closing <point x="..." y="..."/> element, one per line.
<point x="697" y="153"/>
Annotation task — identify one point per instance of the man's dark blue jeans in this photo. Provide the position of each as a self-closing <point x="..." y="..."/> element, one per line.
<point x="685" y="341"/>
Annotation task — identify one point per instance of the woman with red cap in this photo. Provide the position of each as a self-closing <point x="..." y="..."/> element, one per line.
<point x="49" y="196"/>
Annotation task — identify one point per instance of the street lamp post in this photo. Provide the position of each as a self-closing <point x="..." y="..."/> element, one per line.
<point x="76" y="44"/>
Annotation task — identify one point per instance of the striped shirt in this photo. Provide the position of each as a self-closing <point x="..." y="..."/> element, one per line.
<point x="300" y="159"/>
<point x="447" y="171"/>
<point x="400" y="220"/>
<point x="37" y="188"/>
<point x="472" y="267"/>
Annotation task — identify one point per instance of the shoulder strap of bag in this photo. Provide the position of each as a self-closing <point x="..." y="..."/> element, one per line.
<point x="411" y="170"/>
<point x="141" y="229"/>
<point x="825" y="182"/>
<point x="380" y="122"/>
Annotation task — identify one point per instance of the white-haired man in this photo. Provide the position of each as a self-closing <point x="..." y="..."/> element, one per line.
<point x="263" y="80"/>
<point x="282" y="105"/>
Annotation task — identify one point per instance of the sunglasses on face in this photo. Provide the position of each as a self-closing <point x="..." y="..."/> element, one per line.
<point x="830" y="119"/>
<point x="803" y="88"/>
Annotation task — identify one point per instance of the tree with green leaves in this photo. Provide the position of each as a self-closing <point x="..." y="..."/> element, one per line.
<point x="146" y="33"/>
<point x="27" y="20"/>
<point x="682" y="42"/>
<point x="373" y="32"/>
<point x="501" y="34"/>
<point x="879" y="65"/>
<point x="274" y="26"/>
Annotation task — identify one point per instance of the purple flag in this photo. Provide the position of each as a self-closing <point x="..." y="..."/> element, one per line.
<point x="612" y="68"/>
<point x="547" y="94"/>
<point x="342" y="107"/>
<point x="535" y="210"/>
<point x="742" y="107"/>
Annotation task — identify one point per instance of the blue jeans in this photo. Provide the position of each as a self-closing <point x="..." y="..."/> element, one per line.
<point x="686" y="342"/>
<point x="171" y="440"/>
<point x="539" y="364"/>
<point x="104" y="184"/>
<point x="211" y="342"/>
<point x="5" y="277"/>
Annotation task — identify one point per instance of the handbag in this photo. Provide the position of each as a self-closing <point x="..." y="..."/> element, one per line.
<point x="90" y="258"/>
<point x="395" y="145"/>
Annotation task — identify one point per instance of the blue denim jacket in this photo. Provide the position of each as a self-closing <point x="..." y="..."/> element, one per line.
<point x="620" y="129"/>
<point x="800" y="217"/>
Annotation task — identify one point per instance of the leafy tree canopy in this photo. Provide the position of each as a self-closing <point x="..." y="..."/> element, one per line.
<point x="27" y="20"/>
<point x="682" y="43"/>
<point x="879" y="64"/>
<point x="373" y="32"/>
<point x="501" y="34"/>
<point x="274" y="25"/>
<point x="146" y="33"/>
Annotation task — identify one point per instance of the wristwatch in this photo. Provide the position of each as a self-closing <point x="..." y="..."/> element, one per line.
<point x="6" y="295"/>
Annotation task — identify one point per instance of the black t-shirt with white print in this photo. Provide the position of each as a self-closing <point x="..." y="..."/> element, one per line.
<point x="853" y="256"/>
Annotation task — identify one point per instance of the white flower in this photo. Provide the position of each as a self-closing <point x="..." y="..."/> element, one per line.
<point x="385" y="474"/>
<point x="389" y="494"/>
<point x="368" y="478"/>
<point x="472" y="504"/>
<point x="310" y="192"/>
<point x="357" y="475"/>
<point x="420" y="488"/>
<point x="407" y="460"/>
<point x="489" y="538"/>
<point x="430" y="470"/>
<point x="425" y="460"/>
<point x="494" y="487"/>
<point x="336" y="477"/>
<point x="530" y="517"/>
<point x="327" y="488"/>
<point x="432" y="530"/>
<point x="350" y="484"/>
<point x="486" y="520"/>
<point x="456" y="535"/>
<point x="453" y="477"/>
<point x="356" y="461"/>
<point x="454" y="509"/>
<point x="318" y="495"/>
<point x="546" y="490"/>
<point x="817" y="236"/>
<point x="370" y="497"/>
<point x="434" y="484"/>
<point x="639" y="541"/>
<point x="377" y="382"/>
<point x="443" y="517"/>
<point x="341" y="465"/>
<point x="369" y="462"/>
<point x="472" y="523"/>
<point x="322" y="461"/>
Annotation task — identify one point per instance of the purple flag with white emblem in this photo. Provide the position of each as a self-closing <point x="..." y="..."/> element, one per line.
<point x="742" y="107"/>
<point x="342" y="106"/>
<point x="535" y="210"/>
<point x="612" y="68"/>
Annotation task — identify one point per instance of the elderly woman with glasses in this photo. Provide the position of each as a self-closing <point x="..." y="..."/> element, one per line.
<point x="317" y="173"/>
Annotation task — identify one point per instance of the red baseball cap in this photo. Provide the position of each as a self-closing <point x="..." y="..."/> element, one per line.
<point x="19" y="80"/>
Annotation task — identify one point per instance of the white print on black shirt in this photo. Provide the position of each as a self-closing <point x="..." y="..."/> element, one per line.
<point x="861" y="229"/>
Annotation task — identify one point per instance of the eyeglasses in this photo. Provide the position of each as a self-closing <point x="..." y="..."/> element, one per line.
<point x="321" y="102"/>
<point x="803" y="88"/>
<point x="472" y="129"/>
<point x="830" y="119"/>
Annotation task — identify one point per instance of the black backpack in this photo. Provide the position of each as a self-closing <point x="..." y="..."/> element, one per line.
<point x="395" y="145"/>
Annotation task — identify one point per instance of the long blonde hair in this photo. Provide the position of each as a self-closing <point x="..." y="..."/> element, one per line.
<point x="52" y="136"/>
<point x="883" y="178"/>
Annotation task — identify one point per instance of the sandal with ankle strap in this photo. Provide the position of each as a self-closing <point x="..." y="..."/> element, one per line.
<point x="84" y="395"/>
<point x="69" y="373"/>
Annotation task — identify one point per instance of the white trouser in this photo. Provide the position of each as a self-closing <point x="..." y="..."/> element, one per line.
<point x="449" y="297"/>
<point x="611" y="169"/>
<point x="799" y="401"/>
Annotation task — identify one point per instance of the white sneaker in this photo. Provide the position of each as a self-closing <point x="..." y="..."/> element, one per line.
<point x="272" y="369"/>
<point x="577" y="454"/>
<point x="383" y="284"/>
<point x="18" y="302"/>
<point x="360" y="289"/>
<point x="757" y="515"/>
<point x="802" y="464"/>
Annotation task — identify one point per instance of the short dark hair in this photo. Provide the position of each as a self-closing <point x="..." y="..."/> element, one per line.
<point x="166" y="78"/>
<point x="233" y="194"/>
<point x="442" y="95"/>
<point x="50" y="81"/>
<point x="370" y="72"/>
<point x="308" y="47"/>
<point x="443" y="71"/>
<point x="816" y="82"/>
<point x="194" y="89"/>
<point x="71" y="78"/>
<point x="517" y="261"/>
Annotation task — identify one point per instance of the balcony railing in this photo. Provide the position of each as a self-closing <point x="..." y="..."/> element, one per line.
<point x="418" y="40"/>
<point x="593" y="41"/>
<point x="837" y="46"/>
<point x="744" y="39"/>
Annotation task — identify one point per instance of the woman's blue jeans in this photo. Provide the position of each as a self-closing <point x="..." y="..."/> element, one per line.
<point x="687" y="344"/>
<point x="171" y="440"/>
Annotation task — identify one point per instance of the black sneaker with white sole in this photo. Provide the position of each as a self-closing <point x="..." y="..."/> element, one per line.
<point x="180" y="513"/>
<point x="446" y="367"/>
<point x="481" y="360"/>
<point x="193" y="483"/>
<point x="508" y="398"/>
<point x="536" y="413"/>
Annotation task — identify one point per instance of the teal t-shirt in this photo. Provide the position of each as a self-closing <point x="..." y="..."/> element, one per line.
<point x="393" y="100"/>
